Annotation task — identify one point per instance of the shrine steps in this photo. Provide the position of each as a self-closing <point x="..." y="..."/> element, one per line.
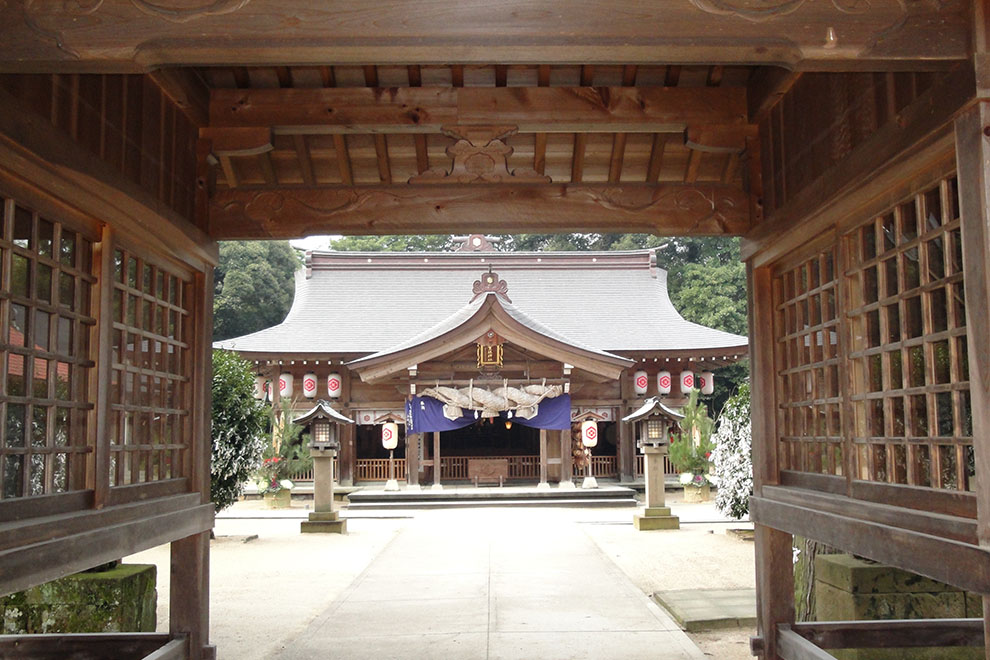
<point x="470" y="496"/>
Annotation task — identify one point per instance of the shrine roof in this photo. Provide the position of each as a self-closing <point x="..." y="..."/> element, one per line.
<point x="364" y="303"/>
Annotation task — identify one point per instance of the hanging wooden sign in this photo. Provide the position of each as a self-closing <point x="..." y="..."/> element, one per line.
<point x="490" y="352"/>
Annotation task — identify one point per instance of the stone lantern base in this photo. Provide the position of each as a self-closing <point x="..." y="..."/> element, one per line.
<point x="323" y="522"/>
<point x="656" y="518"/>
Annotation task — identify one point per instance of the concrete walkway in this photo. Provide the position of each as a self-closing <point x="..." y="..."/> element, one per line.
<point x="491" y="584"/>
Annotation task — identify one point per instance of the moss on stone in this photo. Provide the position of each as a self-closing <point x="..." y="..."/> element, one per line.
<point x="123" y="599"/>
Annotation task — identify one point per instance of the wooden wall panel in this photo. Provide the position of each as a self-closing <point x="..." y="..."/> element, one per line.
<point x="126" y="121"/>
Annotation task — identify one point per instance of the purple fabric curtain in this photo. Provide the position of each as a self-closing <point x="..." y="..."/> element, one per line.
<point x="554" y="413"/>
<point x="425" y="414"/>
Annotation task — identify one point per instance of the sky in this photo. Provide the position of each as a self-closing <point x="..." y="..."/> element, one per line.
<point x="312" y="242"/>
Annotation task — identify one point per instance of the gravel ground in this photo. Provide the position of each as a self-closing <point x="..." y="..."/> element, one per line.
<point x="284" y="579"/>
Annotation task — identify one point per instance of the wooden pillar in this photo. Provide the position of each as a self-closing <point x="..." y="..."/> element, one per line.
<point x="189" y="600"/>
<point x="412" y="460"/>
<point x="774" y="558"/>
<point x="101" y="376"/>
<point x="189" y="604"/>
<point x="566" y="460"/>
<point x="436" y="461"/>
<point x="543" y="460"/>
<point x="627" y="444"/>
<point x="347" y="462"/>
<point x="973" y="163"/>
<point x="347" y="459"/>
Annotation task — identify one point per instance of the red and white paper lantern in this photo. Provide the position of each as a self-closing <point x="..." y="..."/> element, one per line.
<point x="663" y="382"/>
<point x="309" y="385"/>
<point x="390" y="435"/>
<point x="260" y="387"/>
<point x="706" y="382"/>
<point x="589" y="433"/>
<point x="687" y="381"/>
<point x="285" y="385"/>
<point x="334" y="385"/>
<point x="640" y="382"/>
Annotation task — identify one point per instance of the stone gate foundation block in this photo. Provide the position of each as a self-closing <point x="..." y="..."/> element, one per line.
<point x="848" y="588"/>
<point x="122" y="599"/>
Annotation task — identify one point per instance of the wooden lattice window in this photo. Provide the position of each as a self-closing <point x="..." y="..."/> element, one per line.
<point x="150" y="421"/>
<point x="807" y="332"/>
<point x="908" y="354"/>
<point x="45" y="271"/>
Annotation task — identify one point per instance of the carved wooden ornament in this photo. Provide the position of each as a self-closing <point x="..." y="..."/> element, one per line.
<point x="479" y="156"/>
<point x="490" y="283"/>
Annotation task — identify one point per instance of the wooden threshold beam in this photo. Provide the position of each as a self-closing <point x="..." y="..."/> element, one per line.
<point x="289" y="212"/>
<point x="961" y="564"/>
<point x="25" y="566"/>
<point x="429" y="109"/>
<point x="935" y="524"/>
<point x="791" y="646"/>
<point x="892" y="633"/>
<point x="86" y="646"/>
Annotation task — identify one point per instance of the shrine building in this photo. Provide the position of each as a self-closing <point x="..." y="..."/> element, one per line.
<point x="517" y="345"/>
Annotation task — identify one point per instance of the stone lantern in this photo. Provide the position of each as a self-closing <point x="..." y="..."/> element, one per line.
<point x="324" y="425"/>
<point x="653" y="423"/>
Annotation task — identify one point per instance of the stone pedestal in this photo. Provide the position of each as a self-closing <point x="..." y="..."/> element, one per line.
<point x="657" y="514"/>
<point x="324" y="517"/>
<point x="323" y="522"/>
<point x="119" y="599"/>
<point x="656" y="518"/>
<point x="848" y="588"/>
<point x="589" y="482"/>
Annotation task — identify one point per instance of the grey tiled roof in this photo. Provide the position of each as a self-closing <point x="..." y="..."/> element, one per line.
<point x="651" y="405"/>
<point x="372" y="302"/>
<point x="465" y="313"/>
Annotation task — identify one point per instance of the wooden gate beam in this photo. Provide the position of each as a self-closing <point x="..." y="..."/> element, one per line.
<point x="135" y="35"/>
<point x="430" y="109"/>
<point x="701" y="209"/>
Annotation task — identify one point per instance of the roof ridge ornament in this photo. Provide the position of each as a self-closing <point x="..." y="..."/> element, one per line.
<point x="475" y="243"/>
<point x="490" y="283"/>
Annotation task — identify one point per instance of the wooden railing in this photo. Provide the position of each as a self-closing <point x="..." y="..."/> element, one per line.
<point x="455" y="467"/>
<point x="668" y="467"/>
<point x="376" y="469"/>
<point x="520" y="467"/>
<point x="601" y="466"/>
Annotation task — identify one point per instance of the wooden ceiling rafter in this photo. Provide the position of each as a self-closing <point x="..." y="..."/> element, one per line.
<point x="385" y="131"/>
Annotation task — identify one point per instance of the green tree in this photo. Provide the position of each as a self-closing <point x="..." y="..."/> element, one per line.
<point x="692" y="447"/>
<point x="238" y="428"/>
<point x="402" y="243"/>
<point x="253" y="286"/>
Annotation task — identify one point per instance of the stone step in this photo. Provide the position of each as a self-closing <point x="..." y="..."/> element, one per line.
<point x="441" y="504"/>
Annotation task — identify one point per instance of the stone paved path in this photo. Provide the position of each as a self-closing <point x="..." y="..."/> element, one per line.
<point x="487" y="584"/>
